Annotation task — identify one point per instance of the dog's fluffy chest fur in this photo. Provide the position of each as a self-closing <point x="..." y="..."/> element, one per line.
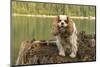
<point x="65" y="40"/>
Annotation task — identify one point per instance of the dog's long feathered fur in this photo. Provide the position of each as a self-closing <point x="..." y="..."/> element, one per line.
<point x="65" y="32"/>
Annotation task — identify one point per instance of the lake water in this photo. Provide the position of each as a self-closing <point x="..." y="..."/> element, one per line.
<point x="27" y="28"/>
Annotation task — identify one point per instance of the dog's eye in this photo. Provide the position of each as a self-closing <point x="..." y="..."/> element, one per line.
<point x="65" y="20"/>
<point x="59" y="20"/>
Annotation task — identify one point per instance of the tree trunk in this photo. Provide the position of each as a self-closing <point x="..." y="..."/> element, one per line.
<point x="44" y="52"/>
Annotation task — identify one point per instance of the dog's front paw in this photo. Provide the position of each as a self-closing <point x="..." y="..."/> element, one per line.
<point x="61" y="53"/>
<point x="72" y="55"/>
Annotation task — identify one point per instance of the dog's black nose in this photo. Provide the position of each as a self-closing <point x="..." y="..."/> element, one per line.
<point x="62" y="23"/>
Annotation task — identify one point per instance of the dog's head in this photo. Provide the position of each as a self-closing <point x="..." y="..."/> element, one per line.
<point x="62" y="24"/>
<point x="62" y="21"/>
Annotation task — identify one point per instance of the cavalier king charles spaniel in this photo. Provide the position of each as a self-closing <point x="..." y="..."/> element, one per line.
<point x="65" y="32"/>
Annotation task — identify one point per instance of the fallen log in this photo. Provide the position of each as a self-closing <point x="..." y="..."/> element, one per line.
<point x="46" y="52"/>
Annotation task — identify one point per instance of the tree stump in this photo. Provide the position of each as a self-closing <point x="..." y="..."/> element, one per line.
<point x="47" y="53"/>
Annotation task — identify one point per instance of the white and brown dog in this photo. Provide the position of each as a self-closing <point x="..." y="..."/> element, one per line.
<point x="65" y="32"/>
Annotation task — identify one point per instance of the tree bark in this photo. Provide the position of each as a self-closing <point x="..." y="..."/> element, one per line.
<point x="44" y="52"/>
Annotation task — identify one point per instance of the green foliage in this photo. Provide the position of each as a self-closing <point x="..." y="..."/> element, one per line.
<point x="51" y="9"/>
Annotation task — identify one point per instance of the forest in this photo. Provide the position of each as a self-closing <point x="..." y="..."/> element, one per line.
<point x="52" y="9"/>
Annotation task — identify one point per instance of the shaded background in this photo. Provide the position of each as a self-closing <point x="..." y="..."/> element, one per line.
<point x="28" y="27"/>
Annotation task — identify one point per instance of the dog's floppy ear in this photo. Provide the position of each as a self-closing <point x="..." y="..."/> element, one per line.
<point x="69" y="20"/>
<point x="70" y="25"/>
<point x="55" y="30"/>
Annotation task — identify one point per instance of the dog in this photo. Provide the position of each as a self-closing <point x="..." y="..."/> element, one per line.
<point x="65" y="32"/>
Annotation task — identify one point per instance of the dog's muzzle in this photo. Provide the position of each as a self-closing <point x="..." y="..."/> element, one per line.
<point x="62" y="29"/>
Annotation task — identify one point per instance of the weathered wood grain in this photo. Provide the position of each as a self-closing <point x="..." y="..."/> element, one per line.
<point x="47" y="53"/>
